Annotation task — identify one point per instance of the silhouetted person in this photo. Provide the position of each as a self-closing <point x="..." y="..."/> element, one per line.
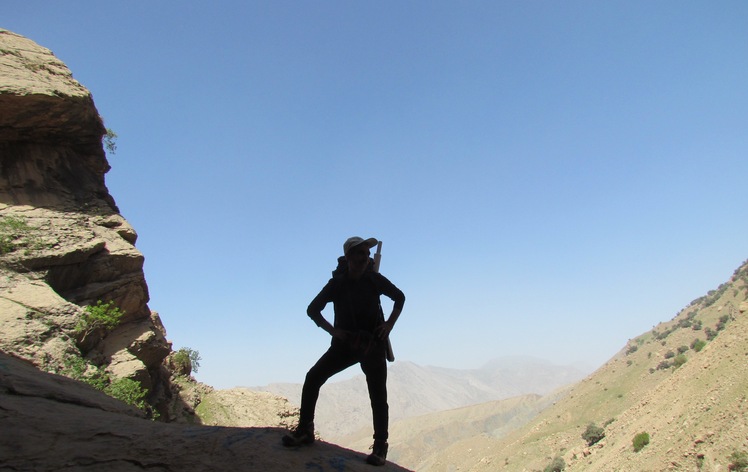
<point x="359" y="335"/>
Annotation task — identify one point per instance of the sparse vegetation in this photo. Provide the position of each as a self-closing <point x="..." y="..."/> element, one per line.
<point x="640" y="440"/>
<point x="126" y="390"/>
<point x="710" y="334"/>
<point x="15" y="232"/>
<point x="102" y="315"/>
<point x="697" y="345"/>
<point x="593" y="434"/>
<point x="557" y="465"/>
<point x="738" y="461"/>
<point x="77" y="368"/>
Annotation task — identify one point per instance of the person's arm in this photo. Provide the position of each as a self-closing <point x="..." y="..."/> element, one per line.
<point x="314" y="311"/>
<point x="398" y="297"/>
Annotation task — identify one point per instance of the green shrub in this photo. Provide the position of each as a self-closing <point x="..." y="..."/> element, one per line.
<point x="593" y="434"/>
<point x="664" y="365"/>
<point x="669" y="355"/>
<point x="187" y="360"/>
<point x="77" y="368"/>
<point x="632" y="348"/>
<point x="129" y="391"/>
<point x="710" y="334"/>
<point x="126" y="390"/>
<point x="557" y="465"/>
<point x="679" y="360"/>
<point x="640" y="440"/>
<point x="738" y="461"/>
<point x="682" y="349"/>
<point x="697" y="344"/>
<point x="102" y="315"/>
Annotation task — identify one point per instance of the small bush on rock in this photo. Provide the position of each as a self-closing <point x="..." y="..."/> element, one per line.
<point x="102" y="315"/>
<point x="186" y="360"/>
<point x="129" y="391"/>
<point x="126" y="390"/>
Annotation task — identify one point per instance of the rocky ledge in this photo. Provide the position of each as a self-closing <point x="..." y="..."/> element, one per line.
<point x="59" y="424"/>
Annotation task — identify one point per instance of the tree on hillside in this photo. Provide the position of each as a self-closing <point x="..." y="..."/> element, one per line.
<point x="593" y="434"/>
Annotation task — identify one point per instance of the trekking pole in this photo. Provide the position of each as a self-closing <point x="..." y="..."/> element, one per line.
<point x="377" y="261"/>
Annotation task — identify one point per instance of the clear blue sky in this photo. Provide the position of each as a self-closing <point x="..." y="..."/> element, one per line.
<point x="549" y="178"/>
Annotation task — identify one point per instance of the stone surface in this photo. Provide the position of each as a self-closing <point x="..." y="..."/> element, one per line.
<point x="40" y="99"/>
<point x="59" y="424"/>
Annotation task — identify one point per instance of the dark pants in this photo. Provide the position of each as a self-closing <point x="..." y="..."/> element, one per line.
<point x="337" y="359"/>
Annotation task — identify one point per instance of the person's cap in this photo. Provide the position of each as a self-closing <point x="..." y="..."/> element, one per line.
<point x="350" y="243"/>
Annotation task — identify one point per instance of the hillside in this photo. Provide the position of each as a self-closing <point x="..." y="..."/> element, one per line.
<point x="693" y="405"/>
<point x="343" y="408"/>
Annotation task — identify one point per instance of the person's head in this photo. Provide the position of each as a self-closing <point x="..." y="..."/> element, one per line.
<point x="357" y="251"/>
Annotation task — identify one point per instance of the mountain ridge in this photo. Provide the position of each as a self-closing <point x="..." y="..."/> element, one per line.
<point x="343" y="407"/>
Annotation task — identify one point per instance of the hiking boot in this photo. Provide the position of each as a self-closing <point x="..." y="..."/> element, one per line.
<point x="301" y="436"/>
<point x="378" y="454"/>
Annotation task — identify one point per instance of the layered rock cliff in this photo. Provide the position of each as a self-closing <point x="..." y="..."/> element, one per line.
<point x="63" y="243"/>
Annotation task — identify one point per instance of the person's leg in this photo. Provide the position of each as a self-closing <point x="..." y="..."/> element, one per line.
<point x="333" y="361"/>
<point x="375" y="369"/>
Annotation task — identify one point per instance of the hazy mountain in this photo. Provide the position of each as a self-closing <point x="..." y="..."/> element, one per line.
<point x="343" y="407"/>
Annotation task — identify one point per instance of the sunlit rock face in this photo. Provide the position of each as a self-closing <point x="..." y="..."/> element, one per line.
<point x="65" y="245"/>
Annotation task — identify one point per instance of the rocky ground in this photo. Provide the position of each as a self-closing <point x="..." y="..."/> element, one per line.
<point x="52" y="423"/>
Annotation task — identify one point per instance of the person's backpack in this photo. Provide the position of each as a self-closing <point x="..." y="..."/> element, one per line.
<point x="340" y="271"/>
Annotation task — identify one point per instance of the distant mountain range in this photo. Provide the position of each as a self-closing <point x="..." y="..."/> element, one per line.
<point x="683" y="387"/>
<point x="343" y="407"/>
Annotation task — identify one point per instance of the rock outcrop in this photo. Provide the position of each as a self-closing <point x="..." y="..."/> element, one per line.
<point x="63" y="243"/>
<point x="59" y="424"/>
